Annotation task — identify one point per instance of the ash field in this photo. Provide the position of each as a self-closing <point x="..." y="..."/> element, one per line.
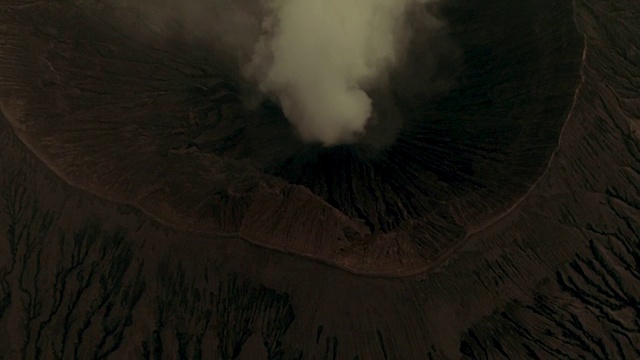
<point x="214" y="179"/>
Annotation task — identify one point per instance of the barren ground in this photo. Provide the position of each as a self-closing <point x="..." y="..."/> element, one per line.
<point x="143" y="222"/>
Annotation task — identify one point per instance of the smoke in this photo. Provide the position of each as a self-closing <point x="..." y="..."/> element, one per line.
<point x="319" y="57"/>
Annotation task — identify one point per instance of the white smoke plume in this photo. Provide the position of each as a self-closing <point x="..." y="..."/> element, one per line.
<point x="317" y="57"/>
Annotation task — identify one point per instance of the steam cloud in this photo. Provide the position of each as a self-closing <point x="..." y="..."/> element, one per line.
<point x="317" y="57"/>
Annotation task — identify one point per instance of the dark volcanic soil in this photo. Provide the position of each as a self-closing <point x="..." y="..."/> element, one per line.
<point x="148" y="214"/>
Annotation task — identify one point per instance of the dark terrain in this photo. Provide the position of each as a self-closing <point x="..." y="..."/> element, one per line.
<point x="149" y="215"/>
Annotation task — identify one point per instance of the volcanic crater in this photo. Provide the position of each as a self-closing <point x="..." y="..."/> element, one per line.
<point x="459" y="139"/>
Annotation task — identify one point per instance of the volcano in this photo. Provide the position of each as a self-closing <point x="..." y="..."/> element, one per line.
<point x="158" y="207"/>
